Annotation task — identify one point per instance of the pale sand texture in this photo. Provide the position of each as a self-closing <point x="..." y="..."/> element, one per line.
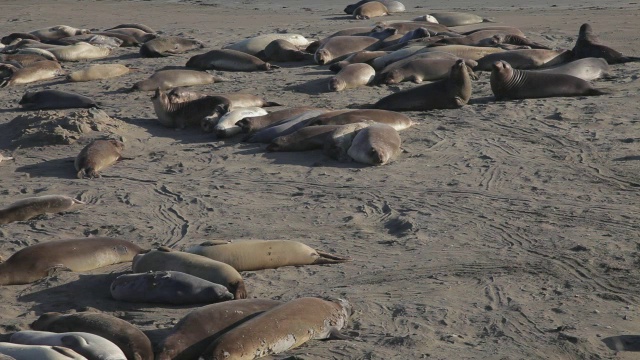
<point x="509" y="230"/>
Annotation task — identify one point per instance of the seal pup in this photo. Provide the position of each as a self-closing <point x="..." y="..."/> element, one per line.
<point x="228" y="60"/>
<point x="187" y="113"/>
<point x="304" y="139"/>
<point x="96" y="156"/>
<point x="370" y="10"/>
<point x="91" y="346"/>
<point x="339" y="46"/>
<point x="226" y="126"/>
<point x="80" y="51"/>
<point x="217" y="272"/>
<point x="526" y="59"/>
<point x="256" y="44"/>
<point x="167" y="79"/>
<point x="36" y="71"/>
<point x="194" y="332"/>
<point x="40" y="352"/>
<point x="352" y="76"/>
<point x="419" y="70"/>
<point x="168" y="45"/>
<point x="31" y="207"/>
<point x="298" y="321"/>
<point x="376" y="144"/>
<point x="98" y="72"/>
<point x="392" y="6"/>
<point x="586" y="69"/>
<point x="449" y="93"/>
<point x="588" y="45"/>
<point x="41" y="260"/>
<point x="58" y="32"/>
<point x="255" y="123"/>
<point x="509" y="83"/>
<point x="250" y="255"/>
<point x="133" y="342"/>
<point x="394" y="119"/>
<point x="167" y="287"/>
<point x="283" y="51"/>
<point x="55" y="99"/>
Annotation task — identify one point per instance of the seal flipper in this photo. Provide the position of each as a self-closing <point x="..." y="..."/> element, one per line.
<point x="335" y="334"/>
<point x="65" y="351"/>
<point x="326" y="258"/>
<point x="56" y="269"/>
<point x="238" y="290"/>
<point x="597" y="92"/>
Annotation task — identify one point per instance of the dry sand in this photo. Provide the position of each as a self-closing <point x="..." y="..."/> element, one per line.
<point x="509" y="230"/>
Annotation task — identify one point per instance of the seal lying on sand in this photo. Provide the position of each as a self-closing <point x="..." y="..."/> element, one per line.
<point x="55" y="99"/>
<point x="88" y="345"/>
<point x="588" y="45"/>
<point x="28" y="208"/>
<point x="97" y="155"/>
<point x="187" y="113"/>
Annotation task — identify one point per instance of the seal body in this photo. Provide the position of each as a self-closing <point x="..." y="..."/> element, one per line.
<point x="258" y="43"/>
<point x="526" y="58"/>
<point x="394" y="119"/>
<point x="40" y="352"/>
<point x="133" y="342"/>
<point x="227" y="60"/>
<point x="453" y="18"/>
<point x="370" y="10"/>
<point x="91" y="346"/>
<point x="36" y="71"/>
<point x="297" y="322"/>
<point x="80" y="51"/>
<point x="586" y="68"/>
<point x="57" y="32"/>
<point x="376" y="144"/>
<point x="304" y="139"/>
<point x="168" y="45"/>
<point x="28" y="208"/>
<point x="363" y="56"/>
<point x="167" y="79"/>
<point x="167" y="287"/>
<point x="181" y="114"/>
<point x="193" y="333"/>
<point x="284" y="127"/>
<point x="352" y="76"/>
<point x="215" y="271"/>
<point x="283" y="50"/>
<point x="339" y="46"/>
<point x="419" y="70"/>
<point x="253" y="124"/>
<point x="38" y="261"/>
<point x="588" y="45"/>
<point x="55" y="99"/>
<point x="139" y="26"/>
<point x="139" y="35"/>
<point x="98" y="72"/>
<point x="227" y="127"/>
<point x="96" y="156"/>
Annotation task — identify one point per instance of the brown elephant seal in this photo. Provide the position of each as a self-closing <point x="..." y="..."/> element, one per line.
<point x="466" y="52"/>
<point x="298" y="321"/>
<point x="363" y="56"/>
<point x="191" y="336"/>
<point x="41" y="260"/>
<point x="339" y="46"/>
<point x="96" y="156"/>
<point x="376" y="144"/>
<point x="80" y="51"/>
<point x="526" y="59"/>
<point x="133" y="342"/>
<point x="394" y="119"/>
<point x="140" y="35"/>
<point x="217" y="272"/>
<point x="449" y="93"/>
<point x="370" y="10"/>
<point x="139" y="26"/>
<point x="168" y="45"/>
<point x="22" y="59"/>
<point x="37" y="71"/>
<point x="187" y="113"/>
<point x="42" y="52"/>
<point x="40" y="352"/>
<point x="475" y="38"/>
<point x="419" y="70"/>
<point x="7" y="40"/>
<point x="503" y="39"/>
<point x="352" y="76"/>
<point x="98" y="72"/>
<point x="253" y="124"/>
<point x="58" y="32"/>
<point x="236" y="100"/>
<point x="250" y="255"/>
<point x="586" y="69"/>
<point x="453" y="18"/>
<point x="167" y="287"/>
<point x="167" y="79"/>
<point x="510" y="83"/>
<point x="304" y="139"/>
<point x="127" y="41"/>
<point x="28" y="208"/>
<point x="228" y="60"/>
<point x="283" y="51"/>
<point x="256" y="44"/>
<point x="91" y="346"/>
<point x="404" y="27"/>
<point x="588" y="45"/>
<point x="55" y="99"/>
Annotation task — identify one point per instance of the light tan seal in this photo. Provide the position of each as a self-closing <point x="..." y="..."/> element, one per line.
<point x="394" y="119"/>
<point x="256" y="44"/>
<point x="339" y="46"/>
<point x="37" y="71"/>
<point x="200" y="266"/>
<point x="98" y="72"/>
<point x="352" y="76"/>
<point x="183" y="113"/>
<point x="58" y="32"/>
<point x="167" y="79"/>
<point x="250" y="255"/>
<point x="588" y="45"/>
<point x="370" y="10"/>
<point x="191" y="336"/>
<point x="253" y="124"/>
<point x="509" y="83"/>
<point x="228" y="60"/>
<point x="168" y="45"/>
<point x="526" y="59"/>
<point x="377" y="144"/>
<point x="88" y="345"/>
<point x="80" y="51"/>
<point x="41" y="260"/>
<point x="39" y="352"/>
<point x="454" y="18"/>
<point x="284" y="327"/>
<point x="96" y="156"/>
<point x="28" y="208"/>
<point x="133" y="342"/>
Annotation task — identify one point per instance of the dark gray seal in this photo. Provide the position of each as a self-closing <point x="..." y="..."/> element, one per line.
<point x="588" y="45"/>
<point x="55" y="99"/>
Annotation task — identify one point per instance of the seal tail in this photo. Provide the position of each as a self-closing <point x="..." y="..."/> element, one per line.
<point x="326" y="258"/>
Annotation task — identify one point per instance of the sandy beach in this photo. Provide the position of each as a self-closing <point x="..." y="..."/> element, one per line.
<point x="506" y="230"/>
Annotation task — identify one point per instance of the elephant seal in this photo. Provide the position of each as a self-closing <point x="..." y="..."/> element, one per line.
<point x="453" y="18"/>
<point x="304" y="139"/>
<point x="503" y="39"/>
<point x="283" y="51"/>
<point x="167" y="287"/>
<point x="58" y="32"/>
<point x="394" y="119"/>
<point x="226" y="126"/>
<point x="298" y="321"/>
<point x="33" y="51"/>
<point x="588" y="45"/>
<point x="526" y="59"/>
<point x="255" y="123"/>
<point x="352" y="76"/>
<point x="228" y="60"/>
<point x="256" y="44"/>
<point x="7" y="40"/>
<point x="96" y="156"/>
<point x="250" y="255"/>
<point x="509" y="83"/>
<point x="93" y="39"/>
<point x="98" y="72"/>
<point x="339" y="46"/>
<point x="40" y="352"/>
<point x="393" y="6"/>
<point x="133" y="342"/>
<point x="475" y="38"/>
<point x="55" y="99"/>
<point x="139" y="26"/>
<point x="193" y="333"/>
<point x="284" y="127"/>
<point x="419" y="70"/>
<point x="80" y="51"/>
<point x="236" y="100"/>
<point x="127" y="41"/>
<point x="466" y="52"/>
<point x="22" y="59"/>
<point x="215" y="271"/>
<point x="37" y="71"/>
<point x="370" y="10"/>
<point x="363" y="56"/>
<point x="91" y="346"/>
<point x="377" y="144"/>
<point x="141" y="36"/>
<point x="586" y="69"/>
<point x="449" y="93"/>
<point x="404" y="27"/>
<point x="167" y="79"/>
<point x="168" y="45"/>
<point x="187" y="113"/>
<point x="41" y="260"/>
<point x="28" y="208"/>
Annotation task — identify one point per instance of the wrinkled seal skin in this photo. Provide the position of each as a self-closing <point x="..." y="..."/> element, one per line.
<point x="510" y="83"/>
<point x="167" y="79"/>
<point x="377" y="144"/>
<point x="39" y="261"/>
<point x="97" y="155"/>
<point x="39" y="352"/>
<point x="88" y="345"/>
<point x="227" y="60"/>
<point x="193" y="333"/>
<point x="36" y="71"/>
<point x="450" y="93"/>
<point x="217" y="272"/>
<point x="28" y="208"/>
<point x="168" y="45"/>
<point x="588" y="45"/>
<point x="370" y="10"/>
<point x="133" y="342"/>
<point x="187" y="113"/>
<point x="284" y="327"/>
<point x="55" y="99"/>
<point x="253" y="124"/>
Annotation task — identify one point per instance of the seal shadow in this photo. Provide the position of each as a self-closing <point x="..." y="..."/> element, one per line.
<point x="623" y="342"/>
<point x="189" y="135"/>
<point x="56" y="168"/>
<point x="312" y="158"/>
<point x="628" y="158"/>
<point x="313" y="87"/>
<point x="481" y="100"/>
<point x="340" y="17"/>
